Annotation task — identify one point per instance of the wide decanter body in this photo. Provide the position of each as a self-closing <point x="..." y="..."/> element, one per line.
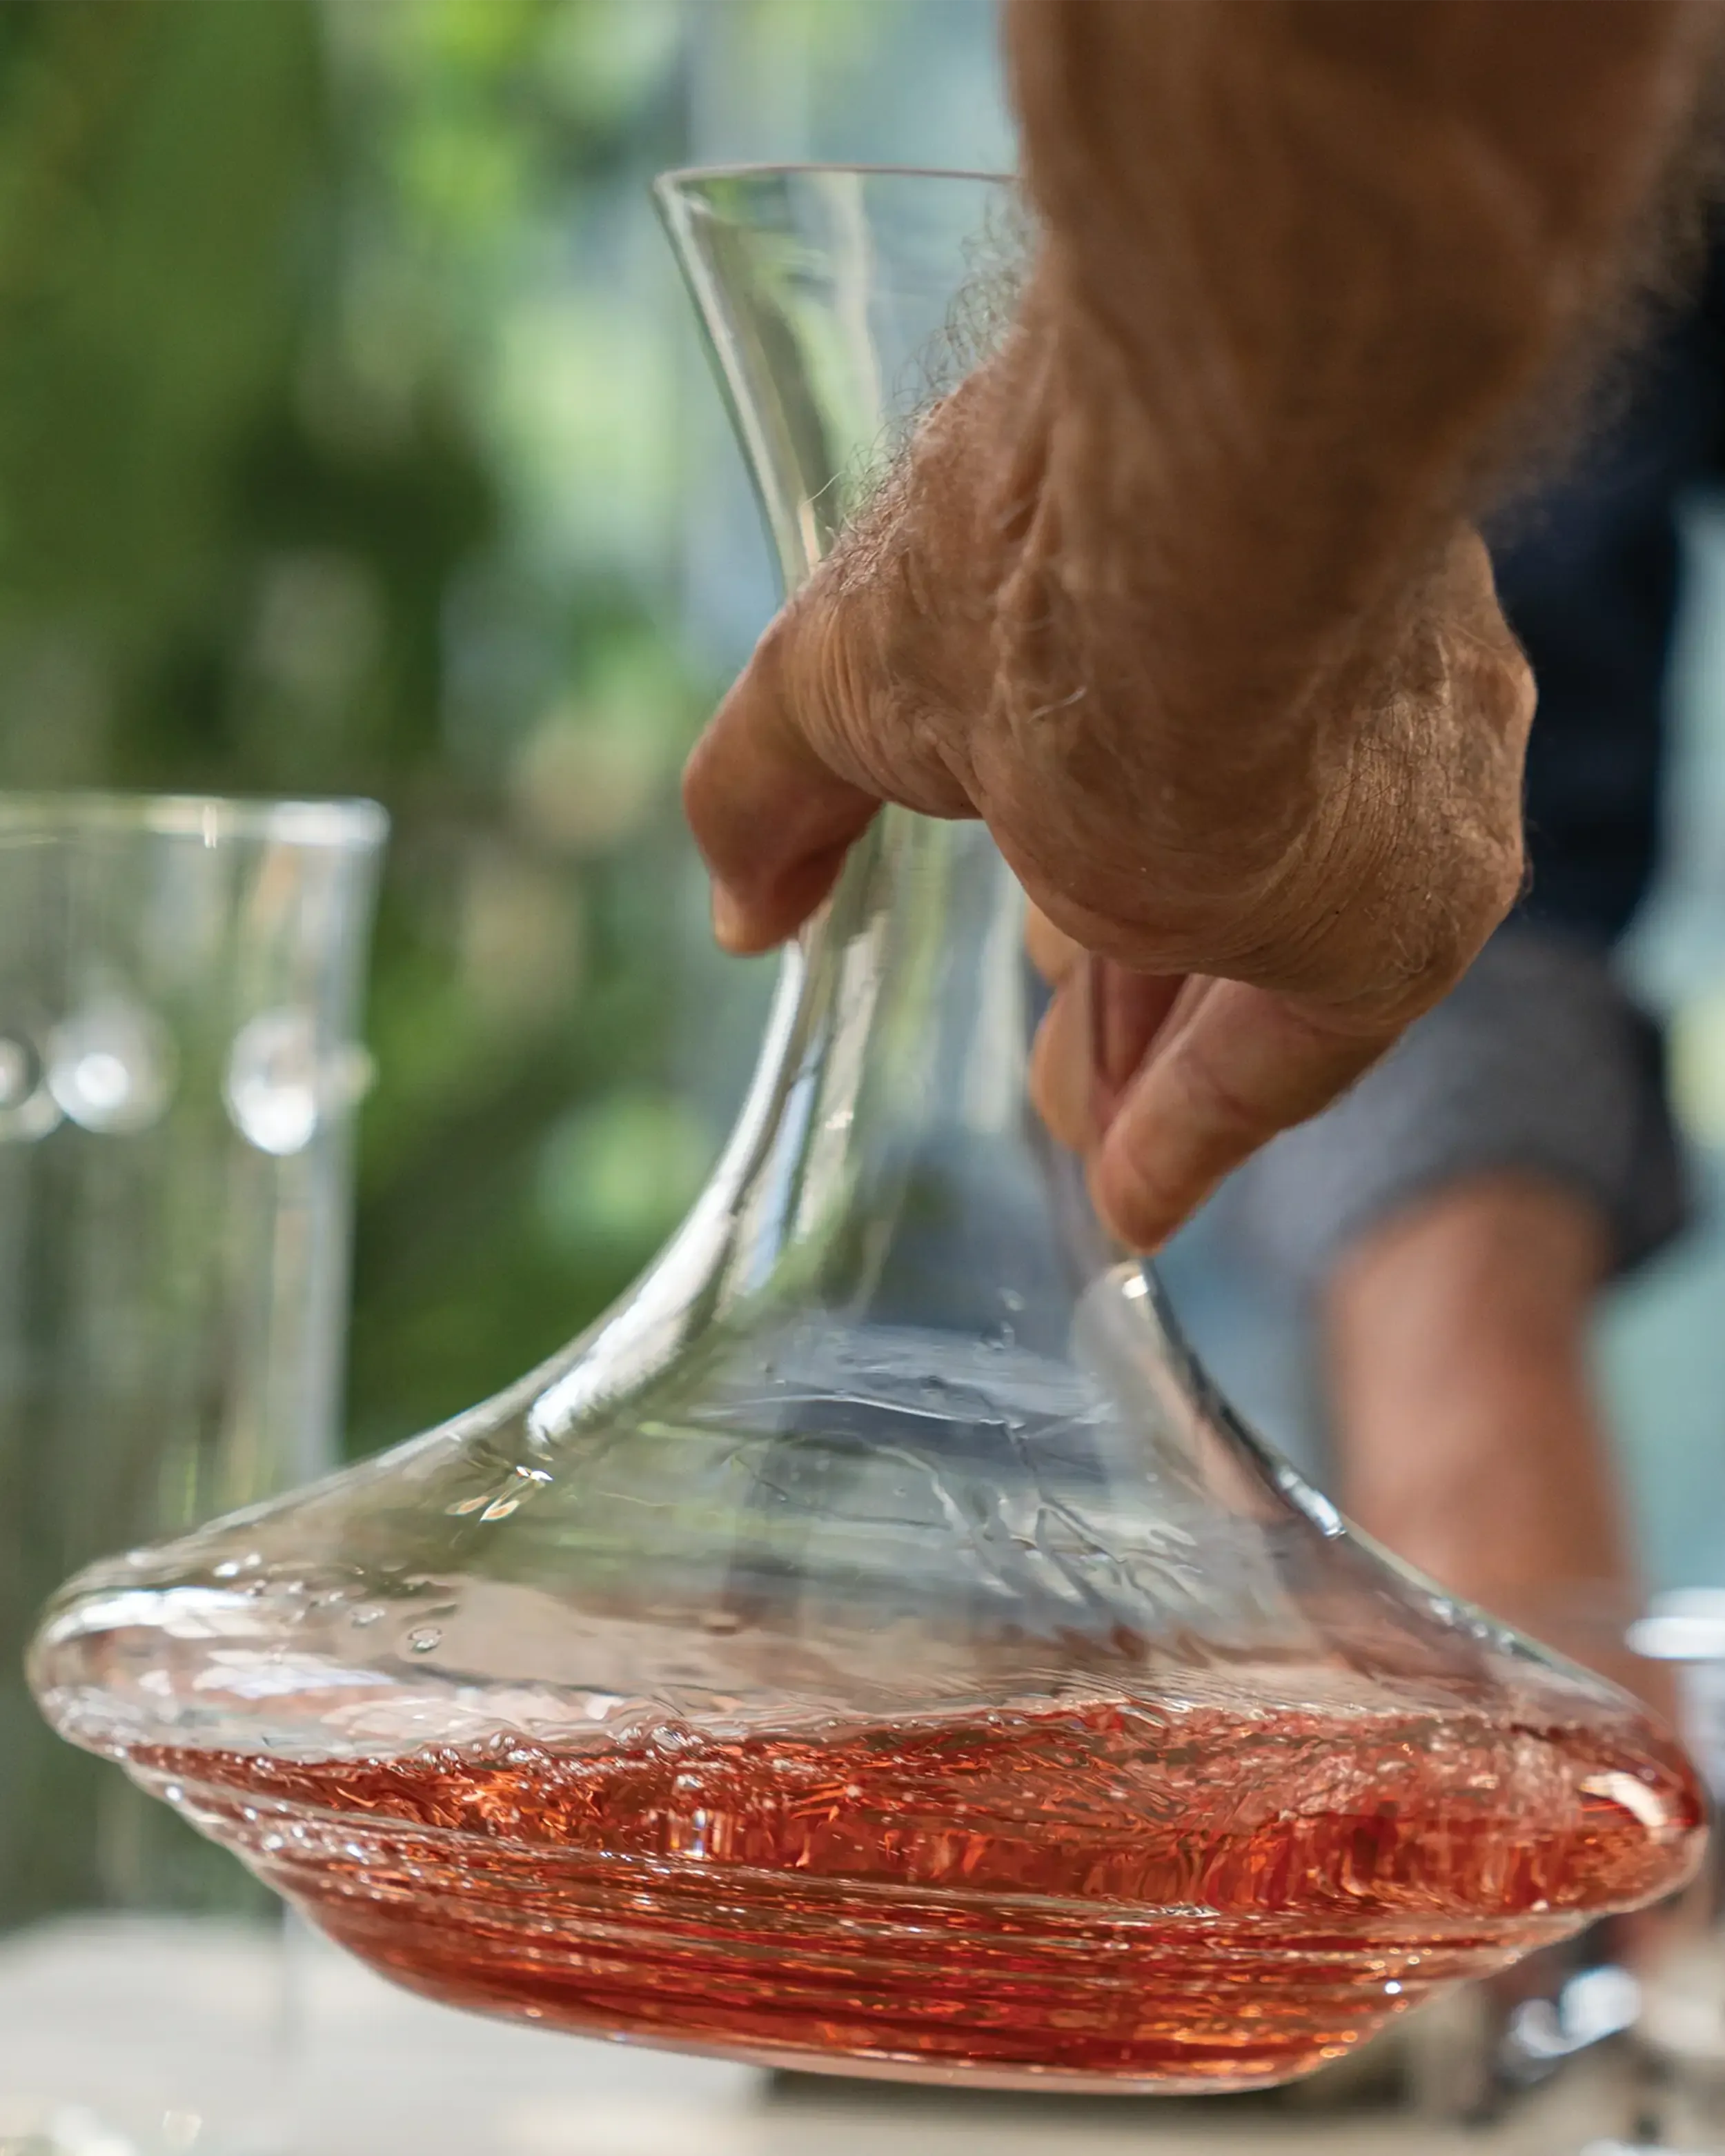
<point x="873" y="1644"/>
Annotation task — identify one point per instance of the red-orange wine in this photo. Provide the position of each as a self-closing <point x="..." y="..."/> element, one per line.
<point x="1092" y="1894"/>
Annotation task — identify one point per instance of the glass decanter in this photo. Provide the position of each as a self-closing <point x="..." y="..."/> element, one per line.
<point x="873" y="1644"/>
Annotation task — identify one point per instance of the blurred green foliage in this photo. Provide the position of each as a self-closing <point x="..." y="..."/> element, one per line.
<point x="353" y="439"/>
<point x="338" y="453"/>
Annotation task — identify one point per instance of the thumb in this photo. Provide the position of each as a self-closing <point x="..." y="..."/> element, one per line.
<point x="1232" y="1067"/>
<point x="771" y="816"/>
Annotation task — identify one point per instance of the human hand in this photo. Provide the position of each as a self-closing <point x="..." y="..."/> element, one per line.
<point x="1175" y="591"/>
<point x="1269" y="905"/>
<point x="1167" y="1079"/>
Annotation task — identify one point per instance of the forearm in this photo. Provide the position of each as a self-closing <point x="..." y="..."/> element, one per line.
<point x="1304" y="261"/>
<point x="1468" y="1434"/>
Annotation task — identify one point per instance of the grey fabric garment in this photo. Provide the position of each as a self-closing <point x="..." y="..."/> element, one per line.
<point x="1538" y="1061"/>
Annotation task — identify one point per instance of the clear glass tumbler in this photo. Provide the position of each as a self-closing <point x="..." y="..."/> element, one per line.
<point x="179" y="988"/>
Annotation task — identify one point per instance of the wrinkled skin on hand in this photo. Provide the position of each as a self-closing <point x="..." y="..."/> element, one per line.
<point x="1269" y="911"/>
<point x="1177" y="591"/>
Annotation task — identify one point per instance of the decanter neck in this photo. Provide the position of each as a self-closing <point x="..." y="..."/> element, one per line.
<point x="887" y="1166"/>
<point x="888" y="1145"/>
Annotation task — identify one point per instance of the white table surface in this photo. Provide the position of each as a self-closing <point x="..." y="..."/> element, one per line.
<point x="168" y="2019"/>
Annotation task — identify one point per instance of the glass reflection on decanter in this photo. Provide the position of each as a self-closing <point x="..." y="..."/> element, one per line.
<point x="873" y="1644"/>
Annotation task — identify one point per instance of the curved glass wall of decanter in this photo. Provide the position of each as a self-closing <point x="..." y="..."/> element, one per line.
<point x="873" y="1644"/>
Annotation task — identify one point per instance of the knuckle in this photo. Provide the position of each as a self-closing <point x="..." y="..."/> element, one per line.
<point x="703" y="787"/>
<point x="1505" y="877"/>
<point x="1492" y="872"/>
<point x="1524" y="691"/>
<point x="1492" y="682"/>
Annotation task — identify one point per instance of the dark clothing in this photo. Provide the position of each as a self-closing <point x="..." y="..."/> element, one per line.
<point x="1588" y="574"/>
<point x="1541" y="1062"/>
<point x="1537" y="1062"/>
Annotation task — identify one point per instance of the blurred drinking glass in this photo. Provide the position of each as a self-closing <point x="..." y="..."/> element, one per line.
<point x="179" y="987"/>
<point x="1681" y="2028"/>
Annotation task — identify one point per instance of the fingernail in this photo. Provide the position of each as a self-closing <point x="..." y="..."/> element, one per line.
<point x="1140" y="1245"/>
<point x="730" y="922"/>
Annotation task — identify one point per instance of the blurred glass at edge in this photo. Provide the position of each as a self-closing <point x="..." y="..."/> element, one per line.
<point x="179" y="990"/>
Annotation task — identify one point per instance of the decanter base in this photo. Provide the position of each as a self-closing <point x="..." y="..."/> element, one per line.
<point x="1089" y="1895"/>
